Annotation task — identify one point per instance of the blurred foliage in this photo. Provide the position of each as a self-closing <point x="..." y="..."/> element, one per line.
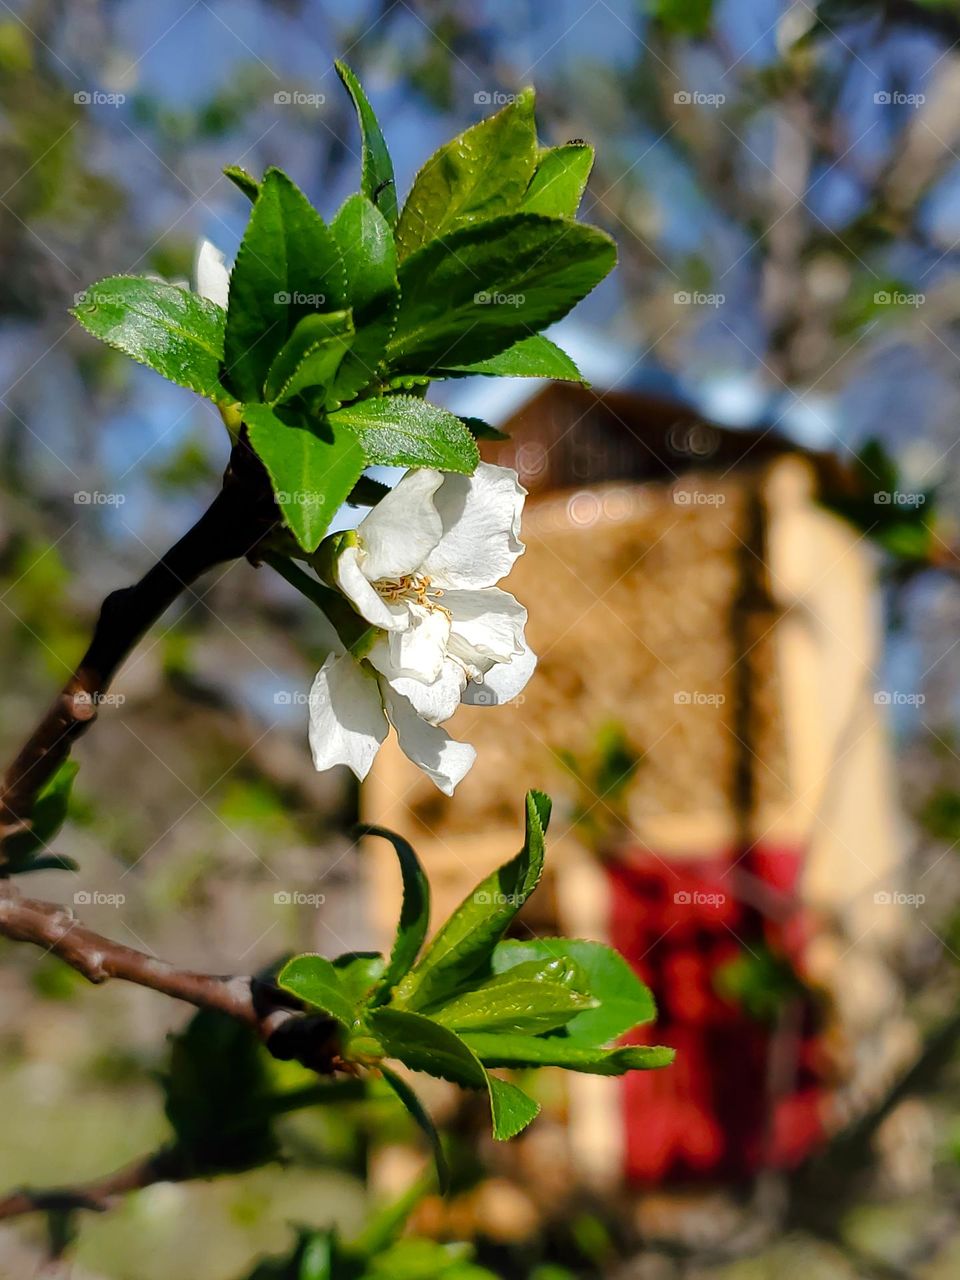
<point x="602" y="777"/>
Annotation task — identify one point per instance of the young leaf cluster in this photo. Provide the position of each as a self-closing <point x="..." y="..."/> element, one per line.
<point x="472" y="1000"/>
<point x="333" y="330"/>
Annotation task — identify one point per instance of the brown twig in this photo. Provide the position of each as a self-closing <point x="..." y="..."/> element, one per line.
<point x="98" y="1195"/>
<point x="288" y="1032"/>
<point x="241" y="515"/>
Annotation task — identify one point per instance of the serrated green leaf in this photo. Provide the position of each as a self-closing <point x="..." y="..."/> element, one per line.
<point x="509" y="1004"/>
<point x="499" y="1050"/>
<point x="559" y="182"/>
<point x="483" y="288"/>
<point x="463" y="945"/>
<point x="376" y="175"/>
<point x="46" y="818"/>
<point x="310" y="357"/>
<point x="414" y="913"/>
<point x="404" y="431"/>
<point x="244" y="181"/>
<point x="369" y="256"/>
<point x="625" y="1002"/>
<point x="367" y="492"/>
<point x="169" y="329"/>
<point x="535" y="357"/>
<point x="359" y="972"/>
<point x="424" y="1045"/>
<point x="481" y="430"/>
<point x="480" y="174"/>
<point x="311" y="473"/>
<point x="314" y="979"/>
<point x="420" y="1114"/>
<point x="288" y="267"/>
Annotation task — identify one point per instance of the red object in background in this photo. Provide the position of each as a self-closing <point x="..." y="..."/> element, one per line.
<point x="709" y="1116"/>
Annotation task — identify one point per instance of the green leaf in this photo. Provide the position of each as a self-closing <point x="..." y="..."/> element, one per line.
<point x="314" y="979"/>
<point x="405" y="431"/>
<point x="482" y="288"/>
<point x="481" y="430"/>
<point x="498" y="1050"/>
<point x="684" y="17"/>
<point x="464" y="944"/>
<point x="625" y="1002"/>
<point x="311" y="356"/>
<point x="477" y="175"/>
<point x="369" y="256"/>
<point x="424" y="1045"/>
<point x="414" y="913"/>
<point x="535" y="357"/>
<point x="359" y="972"/>
<point x="217" y="1094"/>
<point x="513" y="1004"/>
<point x="288" y="267"/>
<point x="47" y="817"/>
<point x="171" y="330"/>
<point x="376" y="176"/>
<point x="416" y="1109"/>
<point x="311" y="474"/>
<point x="246" y="182"/>
<point x="560" y="180"/>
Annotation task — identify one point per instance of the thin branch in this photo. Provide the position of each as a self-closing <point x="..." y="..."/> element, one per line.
<point x="97" y="1195"/>
<point x="238" y="519"/>
<point x="288" y="1032"/>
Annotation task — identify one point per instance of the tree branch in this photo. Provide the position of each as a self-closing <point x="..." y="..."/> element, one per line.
<point x="238" y="519"/>
<point x="286" y="1029"/>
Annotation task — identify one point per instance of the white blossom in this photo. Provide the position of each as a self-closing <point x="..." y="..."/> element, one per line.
<point x="421" y="568"/>
<point x="211" y="273"/>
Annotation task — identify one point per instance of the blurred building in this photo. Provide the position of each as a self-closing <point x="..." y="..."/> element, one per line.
<point x="705" y="713"/>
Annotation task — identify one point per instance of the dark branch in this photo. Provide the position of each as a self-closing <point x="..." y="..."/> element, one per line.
<point x="241" y="515"/>
<point x="288" y="1032"/>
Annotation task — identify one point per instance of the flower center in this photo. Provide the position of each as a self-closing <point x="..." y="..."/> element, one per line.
<point x="412" y="587"/>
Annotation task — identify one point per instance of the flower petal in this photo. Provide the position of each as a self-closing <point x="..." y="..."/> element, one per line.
<point x="212" y="274"/>
<point x="355" y="585"/>
<point x="486" y="624"/>
<point x="347" y="723"/>
<point x="434" y="701"/>
<point x="481" y="528"/>
<point x="502" y="682"/>
<point x="402" y="528"/>
<point x="419" y="650"/>
<point x="444" y="760"/>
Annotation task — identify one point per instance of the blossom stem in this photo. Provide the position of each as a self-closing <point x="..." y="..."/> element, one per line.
<point x="237" y="520"/>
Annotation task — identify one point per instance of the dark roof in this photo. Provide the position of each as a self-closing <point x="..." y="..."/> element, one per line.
<point x="567" y="435"/>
